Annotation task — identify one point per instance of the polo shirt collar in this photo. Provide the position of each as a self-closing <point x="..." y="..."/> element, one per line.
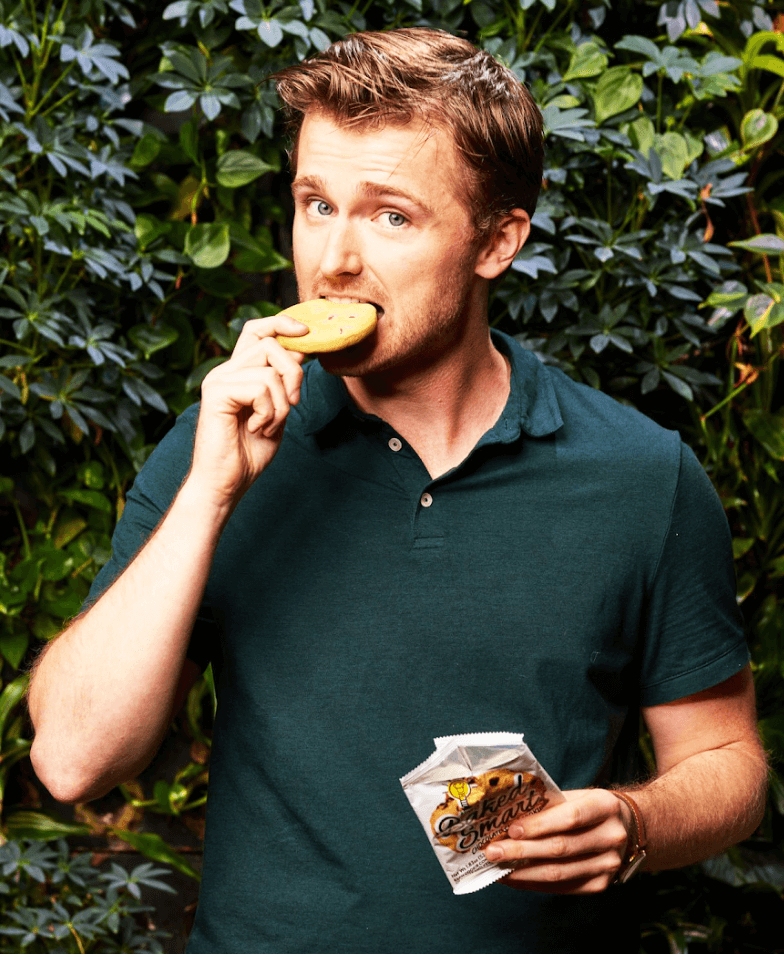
<point x="532" y="406"/>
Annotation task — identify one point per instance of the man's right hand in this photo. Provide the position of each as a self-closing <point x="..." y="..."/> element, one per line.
<point x="244" y="405"/>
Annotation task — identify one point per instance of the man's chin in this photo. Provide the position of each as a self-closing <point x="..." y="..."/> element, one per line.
<point x="350" y="362"/>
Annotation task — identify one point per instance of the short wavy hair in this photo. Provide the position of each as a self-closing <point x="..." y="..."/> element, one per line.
<point x="377" y="78"/>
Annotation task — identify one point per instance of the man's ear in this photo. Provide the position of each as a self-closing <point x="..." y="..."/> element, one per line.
<point x="499" y="251"/>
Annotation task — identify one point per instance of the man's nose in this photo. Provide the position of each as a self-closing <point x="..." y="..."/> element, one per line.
<point x="341" y="252"/>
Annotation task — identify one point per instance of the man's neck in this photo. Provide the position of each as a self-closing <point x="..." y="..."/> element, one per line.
<point x="445" y="409"/>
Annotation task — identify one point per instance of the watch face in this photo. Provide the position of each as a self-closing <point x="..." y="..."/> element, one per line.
<point x="633" y="865"/>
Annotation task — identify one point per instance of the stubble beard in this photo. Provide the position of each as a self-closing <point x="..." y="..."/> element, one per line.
<point x="411" y="347"/>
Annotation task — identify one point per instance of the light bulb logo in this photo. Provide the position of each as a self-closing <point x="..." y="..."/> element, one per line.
<point x="459" y="789"/>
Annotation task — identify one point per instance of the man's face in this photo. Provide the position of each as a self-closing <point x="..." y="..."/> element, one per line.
<point x="381" y="215"/>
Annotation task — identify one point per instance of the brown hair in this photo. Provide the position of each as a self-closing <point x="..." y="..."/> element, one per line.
<point x="371" y="79"/>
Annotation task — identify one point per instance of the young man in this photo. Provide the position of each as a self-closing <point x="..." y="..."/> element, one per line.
<point x="427" y="533"/>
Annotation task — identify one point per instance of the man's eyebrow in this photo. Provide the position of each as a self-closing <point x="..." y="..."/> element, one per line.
<point x="373" y="190"/>
<point x="313" y="183"/>
<point x="377" y="190"/>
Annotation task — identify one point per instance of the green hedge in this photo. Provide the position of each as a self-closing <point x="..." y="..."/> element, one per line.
<point x="144" y="216"/>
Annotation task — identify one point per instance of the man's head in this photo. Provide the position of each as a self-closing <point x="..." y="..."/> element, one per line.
<point x="370" y="80"/>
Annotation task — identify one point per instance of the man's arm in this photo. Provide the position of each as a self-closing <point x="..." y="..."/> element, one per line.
<point x="104" y="691"/>
<point x="709" y="793"/>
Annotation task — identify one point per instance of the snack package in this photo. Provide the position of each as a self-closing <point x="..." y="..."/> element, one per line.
<point x="468" y="792"/>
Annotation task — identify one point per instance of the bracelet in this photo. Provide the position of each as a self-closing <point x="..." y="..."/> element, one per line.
<point x="638" y="853"/>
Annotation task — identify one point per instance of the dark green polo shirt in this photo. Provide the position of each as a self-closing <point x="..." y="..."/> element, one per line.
<point x="576" y="566"/>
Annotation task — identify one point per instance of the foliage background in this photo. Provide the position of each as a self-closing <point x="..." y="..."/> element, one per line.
<point x="144" y="216"/>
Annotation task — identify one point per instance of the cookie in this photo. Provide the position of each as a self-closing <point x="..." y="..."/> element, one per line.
<point x="480" y="808"/>
<point x="333" y="325"/>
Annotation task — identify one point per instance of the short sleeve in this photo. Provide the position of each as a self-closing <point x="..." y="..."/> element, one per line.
<point x="146" y="503"/>
<point x="694" y="638"/>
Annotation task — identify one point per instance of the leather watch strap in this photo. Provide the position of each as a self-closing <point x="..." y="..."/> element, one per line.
<point x="639" y="824"/>
<point x="637" y="853"/>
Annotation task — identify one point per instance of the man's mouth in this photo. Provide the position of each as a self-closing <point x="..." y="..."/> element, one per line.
<point x="344" y="299"/>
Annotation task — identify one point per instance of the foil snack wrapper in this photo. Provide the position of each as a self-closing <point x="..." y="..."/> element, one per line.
<point x="468" y="792"/>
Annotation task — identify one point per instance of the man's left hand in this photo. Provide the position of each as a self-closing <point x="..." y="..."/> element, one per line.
<point x="576" y="847"/>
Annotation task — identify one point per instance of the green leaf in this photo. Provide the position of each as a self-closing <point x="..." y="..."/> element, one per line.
<point x="40" y="826"/>
<point x="220" y="282"/>
<point x="189" y="139"/>
<point x="56" y="565"/>
<point x="152" y="338"/>
<point x="757" y="127"/>
<point x="673" y="151"/>
<point x="238" y="167"/>
<point x="147" y="228"/>
<point x="757" y="311"/>
<point x="11" y="696"/>
<point x="199" y="373"/>
<point x="145" y="151"/>
<point x="678" y="385"/>
<point x="8" y="386"/>
<point x="773" y="64"/>
<point x="765" y="244"/>
<point x="270" y="32"/>
<point x="745" y="586"/>
<point x="92" y="474"/>
<point x="617" y="90"/>
<point x="208" y="245"/>
<point x="642" y="134"/>
<point x="741" y="546"/>
<point x="68" y="528"/>
<point x="91" y="498"/>
<point x="154" y="847"/>
<point x="179" y="101"/>
<point x="722" y="868"/>
<point x="587" y="60"/>
<point x="160" y="793"/>
<point x="191" y="64"/>
<point x="13" y="646"/>
<point x="768" y="429"/>
<point x="255" y="253"/>
<point x="728" y="294"/>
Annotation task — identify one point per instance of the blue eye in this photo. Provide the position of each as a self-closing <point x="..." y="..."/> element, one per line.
<point x="323" y="208"/>
<point x="396" y="219"/>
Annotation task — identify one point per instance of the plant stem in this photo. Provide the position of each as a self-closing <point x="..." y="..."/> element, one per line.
<point x="757" y="229"/>
<point x="76" y="938"/>
<point x="20" y="72"/>
<point x="565" y="8"/>
<point x="22" y="528"/>
<point x="53" y="87"/>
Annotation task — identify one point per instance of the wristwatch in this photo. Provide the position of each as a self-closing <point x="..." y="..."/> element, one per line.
<point x="637" y="853"/>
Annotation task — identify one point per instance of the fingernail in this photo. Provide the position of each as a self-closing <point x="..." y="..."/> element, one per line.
<point x="494" y="853"/>
<point x="516" y="831"/>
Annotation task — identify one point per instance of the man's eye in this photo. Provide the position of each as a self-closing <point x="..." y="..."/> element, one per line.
<point x="396" y="219"/>
<point x="323" y="208"/>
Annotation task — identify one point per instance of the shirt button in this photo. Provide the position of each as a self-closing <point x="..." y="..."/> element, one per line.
<point x="426" y="500"/>
<point x="395" y="444"/>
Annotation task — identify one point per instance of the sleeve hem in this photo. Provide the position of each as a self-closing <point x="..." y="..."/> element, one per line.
<point x="703" y="677"/>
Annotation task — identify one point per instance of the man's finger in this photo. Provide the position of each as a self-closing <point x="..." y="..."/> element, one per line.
<point x="270" y="405"/>
<point x="583" y="809"/>
<point x="590" y="884"/>
<point x="267" y="353"/>
<point x="258" y="328"/>
<point x="607" y="837"/>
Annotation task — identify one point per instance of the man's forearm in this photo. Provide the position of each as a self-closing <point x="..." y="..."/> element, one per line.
<point x="102" y="694"/>
<point x="702" y="805"/>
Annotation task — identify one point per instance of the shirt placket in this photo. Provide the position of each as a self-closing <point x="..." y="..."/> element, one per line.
<point x="421" y="490"/>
